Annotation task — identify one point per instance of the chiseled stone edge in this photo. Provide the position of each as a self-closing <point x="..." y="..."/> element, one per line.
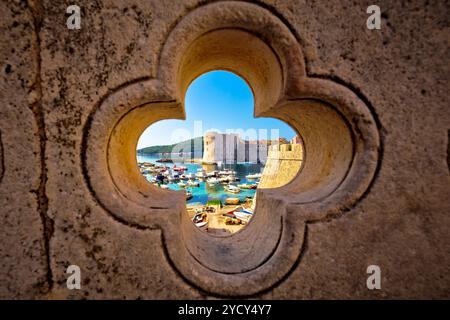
<point x="288" y="251"/>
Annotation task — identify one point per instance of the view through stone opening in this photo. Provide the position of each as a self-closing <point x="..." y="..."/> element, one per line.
<point x="340" y="147"/>
<point x="220" y="155"/>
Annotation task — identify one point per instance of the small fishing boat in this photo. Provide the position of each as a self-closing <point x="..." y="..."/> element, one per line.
<point x="212" y="174"/>
<point x="232" y="200"/>
<point x="247" y="186"/>
<point x="200" y="173"/>
<point x="242" y="215"/>
<point x="254" y="176"/>
<point x="181" y="184"/>
<point x="232" y="189"/>
<point x="245" y="211"/>
<point x="188" y="195"/>
<point x="223" y="180"/>
<point x="200" y="219"/>
<point x="213" y="181"/>
<point x="233" y="221"/>
<point x="193" y="183"/>
<point x="227" y="172"/>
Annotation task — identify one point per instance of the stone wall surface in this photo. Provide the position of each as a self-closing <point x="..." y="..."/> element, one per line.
<point x="283" y="163"/>
<point x="52" y="78"/>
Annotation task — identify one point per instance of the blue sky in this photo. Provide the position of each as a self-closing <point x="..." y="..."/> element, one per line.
<point x="218" y="100"/>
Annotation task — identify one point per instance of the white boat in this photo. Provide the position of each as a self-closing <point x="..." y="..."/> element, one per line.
<point x="213" y="181"/>
<point x="181" y="184"/>
<point x="188" y="195"/>
<point x="254" y="176"/>
<point x="200" y="219"/>
<point x="212" y="174"/>
<point x="247" y="186"/>
<point x="164" y="186"/>
<point x="232" y="189"/>
<point x="200" y="174"/>
<point x="201" y="224"/>
<point x="193" y="183"/>
<point x="227" y="172"/>
<point x="242" y="215"/>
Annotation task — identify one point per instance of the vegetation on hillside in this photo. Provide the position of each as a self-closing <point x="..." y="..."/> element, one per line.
<point x="192" y="145"/>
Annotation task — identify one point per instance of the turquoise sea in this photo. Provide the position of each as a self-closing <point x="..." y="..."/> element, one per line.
<point x="205" y="192"/>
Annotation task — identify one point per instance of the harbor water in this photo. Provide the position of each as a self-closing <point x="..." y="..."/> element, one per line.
<point x="205" y="192"/>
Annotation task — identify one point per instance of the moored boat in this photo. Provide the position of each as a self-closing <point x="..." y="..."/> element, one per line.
<point x="232" y="200"/>
<point x="242" y="215"/>
<point x="193" y="183"/>
<point x="200" y="173"/>
<point x="254" y="176"/>
<point x="247" y="186"/>
<point x="212" y="173"/>
<point x="232" y="189"/>
<point x="226" y="172"/>
<point x="213" y="181"/>
<point x="200" y="219"/>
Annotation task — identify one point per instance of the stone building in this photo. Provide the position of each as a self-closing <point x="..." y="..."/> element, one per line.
<point x="371" y="106"/>
<point x="282" y="165"/>
<point x="230" y="148"/>
<point x="296" y="140"/>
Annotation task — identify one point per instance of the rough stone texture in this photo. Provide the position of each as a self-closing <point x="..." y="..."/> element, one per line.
<point x="283" y="164"/>
<point x="51" y="77"/>
<point x="23" y="262"/>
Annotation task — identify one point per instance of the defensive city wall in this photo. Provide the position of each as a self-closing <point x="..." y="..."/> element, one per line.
<point x="282" y="165"/>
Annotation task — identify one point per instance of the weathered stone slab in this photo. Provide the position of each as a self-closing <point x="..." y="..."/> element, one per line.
<point x="53" y="79"/>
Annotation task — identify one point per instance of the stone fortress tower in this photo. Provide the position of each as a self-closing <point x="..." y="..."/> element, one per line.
<point x="282" y="165"/>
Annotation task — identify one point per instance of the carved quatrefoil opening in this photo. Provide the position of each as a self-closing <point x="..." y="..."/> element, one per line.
<point x="340" y="136"/>
<point x="221" y="155"/>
